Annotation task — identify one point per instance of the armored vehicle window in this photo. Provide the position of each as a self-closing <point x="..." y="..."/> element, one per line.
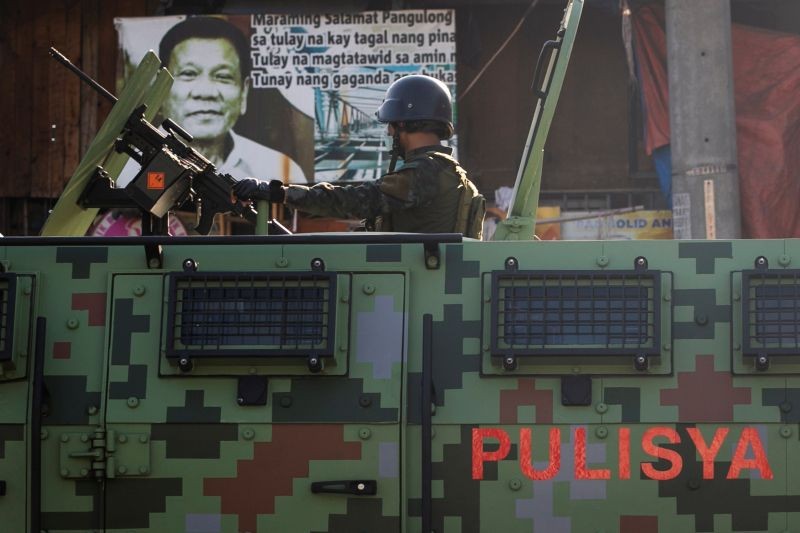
<point x="250" y="314"/>
<point x="575" y="312"/>
<point x="771" y="312"/>
<point x="282" y="316"/>
<point x="775" y="311"/>
<point x="565" y="315"/>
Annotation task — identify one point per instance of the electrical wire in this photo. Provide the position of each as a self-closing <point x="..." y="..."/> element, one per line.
<point x="499" y="50"/>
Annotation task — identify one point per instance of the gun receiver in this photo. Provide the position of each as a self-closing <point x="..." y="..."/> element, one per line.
<point x="171" y="172"/>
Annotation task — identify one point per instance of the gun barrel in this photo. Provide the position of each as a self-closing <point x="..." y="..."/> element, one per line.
<point x="58" y="56"/>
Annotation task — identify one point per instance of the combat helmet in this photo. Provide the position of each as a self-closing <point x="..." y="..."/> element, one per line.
<point x="417" y="97"/>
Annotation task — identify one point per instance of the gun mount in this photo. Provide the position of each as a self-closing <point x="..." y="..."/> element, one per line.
<point x="171" y="174"/>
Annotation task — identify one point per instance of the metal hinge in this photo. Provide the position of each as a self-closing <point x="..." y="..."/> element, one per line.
<point x="104" y="454"/>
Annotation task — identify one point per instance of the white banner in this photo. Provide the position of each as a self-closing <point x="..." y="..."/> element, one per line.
<point x="306" y="111"/>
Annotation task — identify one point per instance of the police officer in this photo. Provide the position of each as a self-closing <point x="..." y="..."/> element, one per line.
<point x="429" y="193"/>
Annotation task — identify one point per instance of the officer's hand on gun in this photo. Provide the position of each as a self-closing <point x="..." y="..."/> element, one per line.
<point x="252" y="189"/>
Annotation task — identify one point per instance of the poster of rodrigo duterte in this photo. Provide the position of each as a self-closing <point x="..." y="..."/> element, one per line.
<point x="291" y="96"/>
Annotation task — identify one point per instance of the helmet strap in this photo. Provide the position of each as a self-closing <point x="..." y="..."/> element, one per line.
<point x="397" y="150"/>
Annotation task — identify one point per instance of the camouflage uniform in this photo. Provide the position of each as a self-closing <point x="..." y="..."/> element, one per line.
<point x="423" y="196"/>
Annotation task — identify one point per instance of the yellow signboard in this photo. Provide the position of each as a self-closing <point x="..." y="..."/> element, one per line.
<point x="623" y="226"/>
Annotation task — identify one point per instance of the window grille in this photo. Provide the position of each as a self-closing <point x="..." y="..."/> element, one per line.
<point x="575" y="312"/>
<point x="251" y="314"/>
<point x="771" y="312"/>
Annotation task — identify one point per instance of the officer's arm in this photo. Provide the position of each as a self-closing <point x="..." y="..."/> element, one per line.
<point x="348" y="201"/>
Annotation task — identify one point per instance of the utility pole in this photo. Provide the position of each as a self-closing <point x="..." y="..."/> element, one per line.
<point x="705" y="177"/>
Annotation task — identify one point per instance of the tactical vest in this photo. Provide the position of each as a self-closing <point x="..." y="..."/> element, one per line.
<point x="471" y="205"/>
<point x="458" y="208"/>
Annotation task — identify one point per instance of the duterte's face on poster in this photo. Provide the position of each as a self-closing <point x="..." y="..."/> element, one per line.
<point x="209" y="93"/>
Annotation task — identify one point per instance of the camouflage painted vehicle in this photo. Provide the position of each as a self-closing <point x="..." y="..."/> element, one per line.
<point x="376" y="382"/>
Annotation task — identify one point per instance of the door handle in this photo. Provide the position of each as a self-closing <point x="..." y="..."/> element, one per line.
<point x="359" y="487"/>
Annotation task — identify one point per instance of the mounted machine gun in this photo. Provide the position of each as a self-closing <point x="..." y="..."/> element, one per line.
<point x="172" y="173"/>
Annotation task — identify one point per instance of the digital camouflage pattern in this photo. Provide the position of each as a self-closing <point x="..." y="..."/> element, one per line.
<point x="179" y="451"/>
<point x="397" y="382"/>
<point x="423" y="196"/>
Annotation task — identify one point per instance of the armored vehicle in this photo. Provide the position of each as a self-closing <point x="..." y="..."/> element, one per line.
<point x="388" y="382"/>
